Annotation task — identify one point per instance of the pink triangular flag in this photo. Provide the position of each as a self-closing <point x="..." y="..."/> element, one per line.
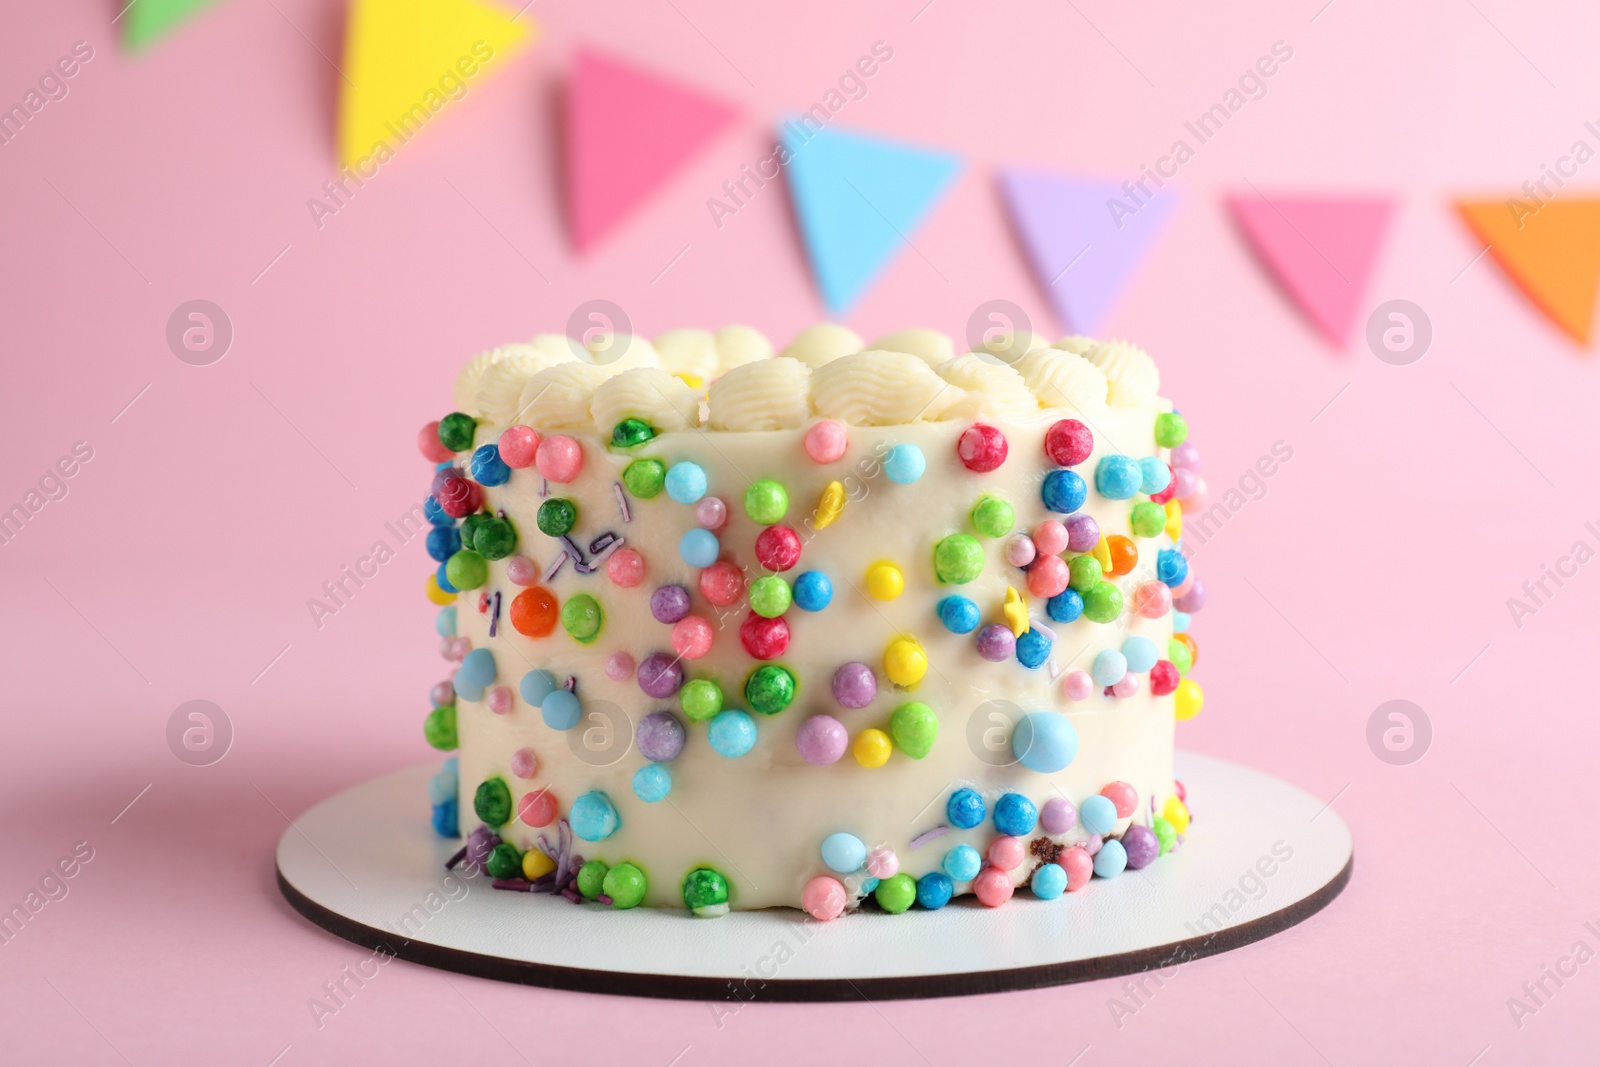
<point x="627" y="132"/>
<point x="1320" y="249"/>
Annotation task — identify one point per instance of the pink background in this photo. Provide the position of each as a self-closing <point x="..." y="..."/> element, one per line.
<point x="1376" y="567"/>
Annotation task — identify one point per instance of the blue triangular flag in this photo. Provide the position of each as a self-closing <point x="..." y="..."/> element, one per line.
<point x="1083" y="238"/>
<point x="858" y="198"/>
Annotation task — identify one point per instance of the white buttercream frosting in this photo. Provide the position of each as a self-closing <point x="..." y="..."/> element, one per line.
<point x="1062" y="379"/>
<point x="931" y="345"/>
<point x="880" y="389"/>
<point x="558" y="397"/>
<point x="768" y="394"/>
<point x="823" y="343"/>
<point x="647" y="393"/>
<point x="990" y="389"/>
<point x="1131" y="374"/>
<point x="688" y="352"/>
<point x="500" y="384"/>
<point x="738" y="345"/>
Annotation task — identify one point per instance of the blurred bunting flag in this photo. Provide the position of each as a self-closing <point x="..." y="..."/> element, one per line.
<point x="145" y="20"/>
<point x="1551" y="251"/>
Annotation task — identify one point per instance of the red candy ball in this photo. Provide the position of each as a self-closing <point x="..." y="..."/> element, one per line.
<point x="537" y="809"/>
<point x="1163" y="678"/>
<point x="1068" y="443"/>
<point x="982" y="448"/>
<point x="764" y="638"/>
<point x="722" y="583"/>
<point x="433" y="449"/>
<point x="778" y="548"/>
<point x="458" y="497"/>
<point x="1166" y="494"/>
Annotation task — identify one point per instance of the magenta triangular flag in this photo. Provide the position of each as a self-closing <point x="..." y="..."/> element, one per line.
<point x="1320" y="249"/>
<point x="1083" y="238"/>
<point x="628" y="131"/>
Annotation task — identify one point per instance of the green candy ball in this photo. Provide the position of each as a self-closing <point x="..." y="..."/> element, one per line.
<point x="630" y="432"/>
<point x="1103" y="603"/>
<point x="700" y="700"/>
<point x="1083" y="573"/>
<point x="645" y="477"/>
<point x="1148" y="519"/>
<point x="896" y="893"/>
<point x="769" y="689"/>
<point x="492" y="802"/>
<point x="705" y="892"/>
<point x="581" y="618"/>
<point x="993" y="517"/>
<point x="766" y="502"/>
<point x="466" y="569"/>
<point x="591" y="879"/>
<point x="504" y="861"/>
<point x="495" y="539"/>
<point x="625" y="884"/>
<point x="470" y="527"/>
<point x="1166" y="836"/>
<point x="770" y="596"/>
<point x="958" y="559"/>
<point x="557" y="516"/>
<point x="457" y="430"/>
<point x="440" y="728"/>
<point x="914" y="727"/>
<point x="1171" y="429"/>
<point x="1178" y="654"/>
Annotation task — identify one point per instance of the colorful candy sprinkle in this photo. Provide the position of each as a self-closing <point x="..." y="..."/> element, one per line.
<point x="1068" y="442"/>
<point x="766" y="502"/>
<point x="904" y="464"/>
<point x="559" y="458"/>
<point x="982" y="448"/>
<point x="826" y="441"/>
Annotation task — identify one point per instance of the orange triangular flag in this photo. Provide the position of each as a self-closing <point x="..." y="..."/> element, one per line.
<point x="1552" y="253"/>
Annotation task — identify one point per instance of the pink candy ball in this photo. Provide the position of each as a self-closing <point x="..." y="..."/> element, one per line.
<point x="433" y="449"/>
<point x="537" y="808"/>
<point x="711" y="512"/>
<point x="1050" y="538"/>
<point x="625" y="568"/>
<point x="1006" y="853"/>
<point x="1048" y="576"/>
<point x="442" y="693"/>
<point x="518" y="446"/>
<point x="500" y="699"/>
<point x="1092" y="845"/>
<point x="1079" y="866"/>
<point x="1124" y="796"/>
<point x="691" y="637"/>
<point x="883" y="863"/>
<point x="1183" y="480"/>
<point x="559" y="458"/>
<point x="1020" y="550"/>
<point x="827" y="441"/>
<point x="822" y="740"/>
<point x="1152" y="600"/>
<point x="1057" y="816"/>
<point x="456" y="648"/>
<point x="619" y="666"/>
<point x="1197" y="500"/>
<point x="524" y="764"/>
<point x="521" y="571"/>
<point x="1127" y="687"/>
<point x="823" y="898"/>
<point x="1078" y="685"/>
<point x="1186" y="455"/>
<point x="1184" y="586"/>
<point x="993" y="887"/>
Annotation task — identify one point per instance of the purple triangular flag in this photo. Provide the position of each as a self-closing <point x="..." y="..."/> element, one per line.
<point x="1083" y="237"/>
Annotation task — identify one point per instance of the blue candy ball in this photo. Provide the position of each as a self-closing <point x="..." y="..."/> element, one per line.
<point x="1140" y="654"/>
<point x="441" y="787"/>
<point x="1118" y="477"/>
<point x="904" y="464"/>
<point x="1153" y="475"/>
<point x="869" y="884"/>
<point x="1109" y="666"/>
<point x="1033" y="648"/>
<point x="812" y="591"/>
<point x="844" y="852"/>
<point x="962" y="863"/>
<point x="699" y="548"/>
<point x="1015" y="815"/>
<point x="686" y="482"/>
<point x="1043" y="741"/>
<point x="959" y="615"/>
<point x="1098" y="814"/>
<point x="452" y="767"/>
<point x="1171" y="567"/>
<point x="1180" y="622"/>
<point x="652" y="783"/>
<point x="446" y="819"/>
<point x="444" y="623"/>
<point x="1049" y="881"/>
<point x="536" y="685"/>
<point x="435" y="514"/>
<point x="1065" y="606"/>
<point x="561" y="710"/>
<point x="732" y="733"/>
<point x="1064" y="491"/>
<point x="444" y="580"/>
<point x="478" y="667"/>
<point x="593" y="817"/>
<point x="443" y="542"/>
<point x="966" y="809"/>
<point x="934" y="890"/>
<point x="465" y="688"/>
<point x="1111" y="860"/>
<point x="488" y="468"/>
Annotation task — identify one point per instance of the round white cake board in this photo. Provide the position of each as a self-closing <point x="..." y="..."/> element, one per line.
<point x="1260" y="857"/>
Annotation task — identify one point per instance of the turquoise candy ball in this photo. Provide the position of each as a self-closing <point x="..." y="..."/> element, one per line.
<point x="844" y="853"/>
<point x="962" y="863"/>
<point x="732" y="733"/>
<point x="561" y="710"/>
<point x="1109" y="667"/>
<point x="1098" y="814"/>
<point x="1154" y="475"/>
<point x="1049" y="881"/>
<point x="1118" y="477"/>
<point x="686" y="482"/>
<point x="652" y="783"/>
<point x="699" y="548"/>
<point x="1140" y="654"/>
<point x="959" y="614"/>
<point x="478" y="667"/>
<point x="904" y="464"/>
<point x="1111" y="860"/>
<point x="593" y="816"/>
<point x="934" y="890"/>
<point x="445" y="622"/>
<point x="1044" y="741"/>
<point x="536" y="685"/>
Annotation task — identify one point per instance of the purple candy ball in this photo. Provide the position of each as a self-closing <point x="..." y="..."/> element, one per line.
<point x="996" y="643"/>
<point x="660" y="675"/>
<point x="440" y="476"/>
<point x="669" y="603"/>
<point x="660" y="736"/>
<point x="1057" y="816"/>
<point x="1186" y="456"/>
<point x="854" y="685"/>
<point x="1193" y="600"/>
<point x="1092" y="845"/>
<point x="821" y="740"/>
<point x="1083" y="533"/>
<point x="1183" y="482"/>
<point x="480" y="843"/>
<point x="1142" y="846"/>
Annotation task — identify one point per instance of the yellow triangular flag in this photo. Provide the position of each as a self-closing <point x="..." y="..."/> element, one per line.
<point x="408" y="60"/>
<point x="1552" y="252"/>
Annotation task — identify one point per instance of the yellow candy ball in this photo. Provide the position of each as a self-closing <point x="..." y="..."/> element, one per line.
<point x="1102" y="552"/>
<point x="904" y="661"/>
<point x="884" y="581"/>
<point x="872" y="747"/>
<point x="830" y="505"/>
<point x="437" y="595"/>
<point x="1174" y="521"/>
<point x="1187" y="700"/>
<point x="1176" y="814"/>
<point x="536" y="864"/>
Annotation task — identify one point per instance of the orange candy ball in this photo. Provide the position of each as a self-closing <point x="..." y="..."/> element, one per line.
<point x="535" y="612"/>
<point x="1124" y="555"/>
